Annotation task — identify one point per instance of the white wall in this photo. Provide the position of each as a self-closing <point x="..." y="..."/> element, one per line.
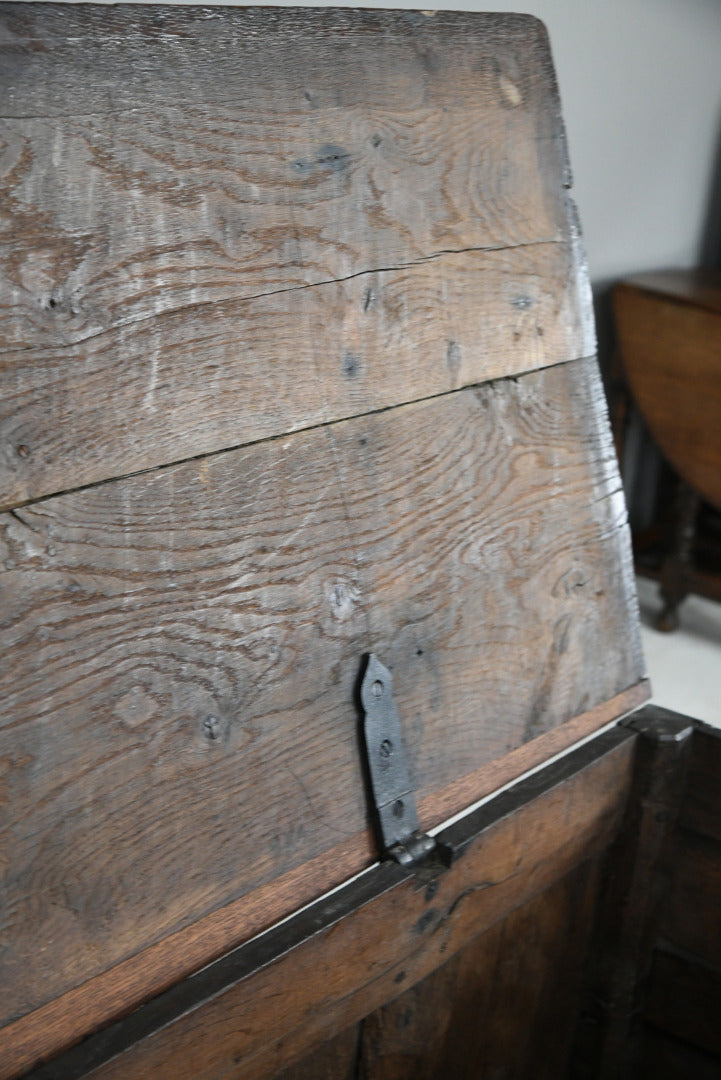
<point x="641" y="87"/>
<point x="640" y="82"/>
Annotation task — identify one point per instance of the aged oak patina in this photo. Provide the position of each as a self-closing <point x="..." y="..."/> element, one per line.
<point x="296" y="365"/>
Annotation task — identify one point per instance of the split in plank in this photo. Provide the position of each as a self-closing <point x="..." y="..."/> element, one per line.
<point x="191" y="638"/>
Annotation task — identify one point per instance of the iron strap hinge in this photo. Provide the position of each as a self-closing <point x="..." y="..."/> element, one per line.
<point x="395" y="809"/>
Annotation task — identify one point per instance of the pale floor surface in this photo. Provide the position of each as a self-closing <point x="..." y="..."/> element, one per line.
<point x="685" y="666"/>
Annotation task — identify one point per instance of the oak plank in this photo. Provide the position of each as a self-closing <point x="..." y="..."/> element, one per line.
<point x="195" y="204"/>
<point x="53" y="57"/>
<point x="160" y="168"/>
<point x="351" y="953"/>
<point x="227" y="374"/>
<point x="446" y="131"/>
<point x="191" y="639"/>
<point x="505" y="1006"/>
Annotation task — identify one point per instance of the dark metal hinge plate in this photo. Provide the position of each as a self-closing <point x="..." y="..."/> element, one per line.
<point x="399" y="832"/>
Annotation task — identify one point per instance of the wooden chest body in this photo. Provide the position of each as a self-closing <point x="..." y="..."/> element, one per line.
<point x="297" y="366"/>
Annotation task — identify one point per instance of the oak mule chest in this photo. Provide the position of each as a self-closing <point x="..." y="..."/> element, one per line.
<point x="301" y="431"/>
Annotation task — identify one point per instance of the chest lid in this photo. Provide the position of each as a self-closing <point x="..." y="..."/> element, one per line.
<point x="296" y="367"/>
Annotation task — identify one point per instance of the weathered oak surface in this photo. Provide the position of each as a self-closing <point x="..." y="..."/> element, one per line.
<point x="230" y="373"/>
<point x="294" y="328"/>
<point x="167" y="215"/>
<point x="66" y="1019"/>
<point x="190" y="639"/>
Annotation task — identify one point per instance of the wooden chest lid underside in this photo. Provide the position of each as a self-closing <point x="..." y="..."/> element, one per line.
<point x="296" y="365"/>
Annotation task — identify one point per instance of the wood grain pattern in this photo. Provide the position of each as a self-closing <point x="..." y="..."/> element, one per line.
<point x="191" y="638"/>
<point x="157" y="173"/>
<point x="197" y="203"/>
<point x="258" y="271"/>
<point x="231" y="373"/>
<point x="64" y="1020"/>
<point x="504" y="1007"/>
<point x="355" y="951"/>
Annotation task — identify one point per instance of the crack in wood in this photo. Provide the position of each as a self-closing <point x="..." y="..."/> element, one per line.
<point x="203" y="305"/>
<point x="207" y="455"/>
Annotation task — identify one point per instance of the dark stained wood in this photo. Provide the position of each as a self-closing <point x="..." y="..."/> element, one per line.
<point x="193" y="637"/>
<point x="699" y="287"/>
<point x="691" y="923"/>
<point x="677" y="569"/>
<point x="701" y="810"/>
<point x="670" y="1059"/>
<point x="336" y="1059"/>
<point x="632" y="898"/>
<point x="389" y="229"/>
<point x="692" y="918"/>
<point x="670" y="354"/>
<point x="408" y="1036"/>
<point x="504" y="1007"/>
<point x="684" y="1000"/>
<point x="351" y="953"/>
